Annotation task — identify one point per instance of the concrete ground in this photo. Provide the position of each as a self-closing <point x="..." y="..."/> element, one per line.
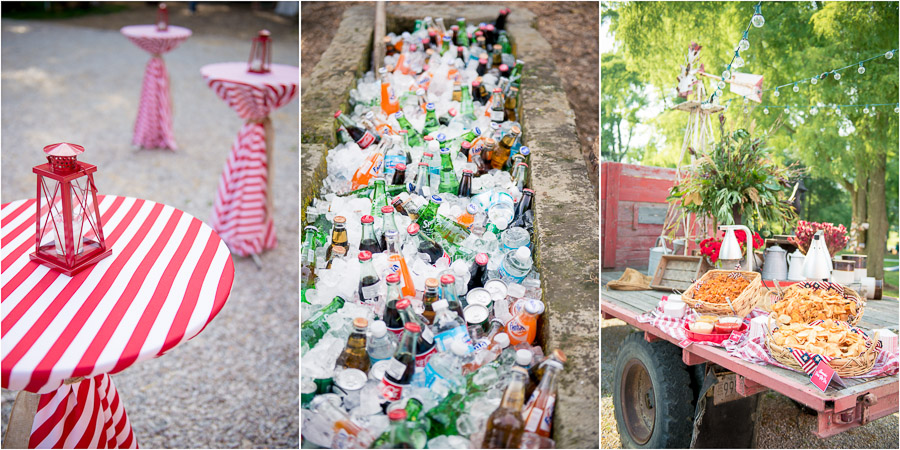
<point x="234" y="385"/>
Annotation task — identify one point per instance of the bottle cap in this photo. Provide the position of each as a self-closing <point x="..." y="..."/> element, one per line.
<point x="412" y="327"/>
<point x="397" y="414"/>
<point x="447" y="279"/>
<point x="476" y="83"/>
<point x="472" y="209"/>
<point x="534" y="307"/>
<point x="382" y="70"/>
<point x="559" y="355"/>
<point x="497" y="90"/>
<point x="338" y="113"/>
<point x="477" y="131"/>
<point x="420" y="92"/>
<point x="398" y="114"/>
<point x="528" y="190"/>
<point x="445" y="150"/>
<point x="413" y="228"/>
<point x="459" y="348"/>
<point x="431" y="282"/>
<point x="370" y="115"/>
<point x="392" y="278"/>
<point x="523" y="357"/>
<point x="452" y="112"/>
<point x="428" y="138"/>
<point x="429" y="106"/>
<point x="502" y="339"/>
<point x="515" y="130"/>
<point x="467" y="171"/>
<point x="554" y="364"/>
<point x="402" y="132"/>
<point x="367" y="219"/>
<point x="504" y="68"/>
<point x="466" y="145"/>
<point x="423" y="164"/>
<point x="523" y="253"/>
<point x="441" y="137"/>
<point x="400" y="166"/>
<point x="481" y="259"/>
<point x="436" y="199"/>
<point x="403" y="303"/>
<point x="427" y="155"/>
<point x="378" y="328"/>
<point x="364" y="255"/>
<point x="387" y="209"/>
<point x="360" y="322"/>
<point x="440" y="305"/>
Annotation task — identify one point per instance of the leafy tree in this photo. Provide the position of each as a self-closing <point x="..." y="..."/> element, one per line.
<point x="853" y="150"/>
<point x="621" y="99"/>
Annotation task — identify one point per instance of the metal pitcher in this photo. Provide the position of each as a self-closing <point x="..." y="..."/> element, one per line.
<point x="775" y="267"/>
<point x="656" y="255"/>
<point x="795" y="272"/>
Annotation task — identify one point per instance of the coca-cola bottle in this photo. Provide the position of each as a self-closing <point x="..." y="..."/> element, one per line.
<point x="361" y="136"/>
<point x="425" y="346"/>
<point x="391" y="316"/>
<point x="402" y="366"/>
<point x="368" y="279"/>
<point x="465" y="185"/>
<point x="448" y="293"/>
<point x="425" y="244"/>
<point x="399" y="176"/>
<point x="368" y="241"/>
<point x="522" y="207"/>
<point x="477" y="280"/>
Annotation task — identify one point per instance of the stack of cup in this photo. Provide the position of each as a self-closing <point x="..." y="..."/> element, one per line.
<point x="673" y="306"/>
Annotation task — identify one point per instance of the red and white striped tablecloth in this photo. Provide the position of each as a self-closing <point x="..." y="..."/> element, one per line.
<point x="168" y="276"/>
<point x="153" y="127"/>
<point x="241" y="214"/>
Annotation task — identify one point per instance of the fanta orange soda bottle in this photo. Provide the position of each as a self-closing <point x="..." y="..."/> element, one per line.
<point x="370" y="168"/>
<point x="389" y="102"/>
<point x="398" y="264"/>
<point x="523" y="327"/>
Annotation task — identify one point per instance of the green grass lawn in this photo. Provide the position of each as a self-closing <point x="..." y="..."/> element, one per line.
<point x="891" y="278"/>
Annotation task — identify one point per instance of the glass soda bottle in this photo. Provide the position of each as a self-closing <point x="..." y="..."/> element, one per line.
<point x="402" y="366"/>
<point x="448" y="293"/>
<point x="308" y="257"/>
<point x="448" y="183"/>
<point x="338" y="237"/>
<point x="523" y="327"/>
<point x="523" y="206"/>
<point x="504" y="426"/>
<point x="519" y="173"/>
<point x="399" y="176"/>
<point x="442" y="418"/>
<point x="425" y="346"/>
<point x="467" y="219"/>
<point x="449" y="327"/>
<point x="368" y="241"/>
<point x="477" y="279"/>
<point x="379" y="196"/>
<point x="391" y="316"/>
<point x="496" y="111"/>
<point x="399" y="434"/>
<point x="369" y="169"/>
<point x="312" y="330"/>
<point x="538" y="412"/>
<point x="368" y="280"/>
<point x="428" y="213"/>
<point x="429" y="298"/>
<point x="389" y="102"/>
<point x="423" y="181"/>
<point x="536" y="372"/>
<point x="354" y="355"/>
<point x="361" y="136"/>
<point x="388" y="223"/>
<point x="431" y="121"/>
<point x="465" y="186"/>
<point x="426" y="244"/>
<point x="398" y="263"/>
<point x="414" y="139"/>
<point x="347" y="434"/>
<point x="381" y="346"/>
<point x="498" y="159"/>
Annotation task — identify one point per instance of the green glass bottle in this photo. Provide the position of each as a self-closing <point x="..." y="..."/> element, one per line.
<point x="449" y="183"/>
<point x="400" y="435"/>
<point x="431" y="120"/>
<point x="516" y="73"/>
<point x="504" y="42"/>
<point x="316" y="326"/>
<point x="413" y="138"/>
<point x="462" y="38"/>
<point x="468" y="109"/>
<point x="442" y="418"/>
<point x="308" y="261"/>
<point x="428" y="213"/>
<point x="379" y="197"/>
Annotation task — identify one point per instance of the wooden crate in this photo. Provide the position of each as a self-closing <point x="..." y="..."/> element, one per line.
<point x="678" y="272"/>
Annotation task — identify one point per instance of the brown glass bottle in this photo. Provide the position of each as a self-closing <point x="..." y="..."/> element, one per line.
<point x="432" y="294"/>
<point x="499" y="157"/>
<point x="354" y="355"/>
<point x="536" y="372"/>
<point x="505" y="425"/>
<point x="338" y="238"/>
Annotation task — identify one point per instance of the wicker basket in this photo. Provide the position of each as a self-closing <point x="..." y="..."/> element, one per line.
<point x="742" y="305"/>
<point x="845" y="367"/>
<point x="767" y="298"/>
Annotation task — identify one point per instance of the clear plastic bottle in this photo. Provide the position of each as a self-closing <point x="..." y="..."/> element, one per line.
<point x="449" y="327"/>
<point x="380" y="346"/>
<point x="447" y="367"/>
<point x="516" y="265"/>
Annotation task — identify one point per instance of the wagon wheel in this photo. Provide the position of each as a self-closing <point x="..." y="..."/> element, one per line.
<point x="653" y="396"/>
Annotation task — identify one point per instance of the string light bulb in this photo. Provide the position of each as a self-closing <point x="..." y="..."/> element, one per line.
<point x="727" y="73"/>
<point x="746" y="110"/>
<point x="746" y="100"/>
<point x="897" y="109"/>
<point x="796" y="88"/>
<point x="813" y="110"/>
<point x="744" y="44"/>
<point x="866" y="109"/>
<point x="765" y="110"/>
<point x="721" y="84"/>
<point x="837" y="76"/>
<point x="776" y="93"/>
<point x="758" y="20"/>
<point x="738" y="62"/>
<point x="889" y="54"/>
<point x="814" y="80"/>
<point x="861" y="69"/>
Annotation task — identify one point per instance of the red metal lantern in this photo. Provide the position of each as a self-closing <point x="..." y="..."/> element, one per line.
<point x="162" y="18"/>
<point x="69" y="234"/>
<point x="261" y="53"/>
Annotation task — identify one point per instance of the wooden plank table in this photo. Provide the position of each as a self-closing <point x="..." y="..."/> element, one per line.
<point x="753" y="378"/>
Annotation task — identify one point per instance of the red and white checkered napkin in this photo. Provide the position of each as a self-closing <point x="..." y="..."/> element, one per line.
<point x="675" y="327"/>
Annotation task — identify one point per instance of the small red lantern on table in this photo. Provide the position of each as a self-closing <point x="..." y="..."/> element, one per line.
<point x="162" y="18"/>
<point x="69" y="235"/>
<point x="261" y="53"/>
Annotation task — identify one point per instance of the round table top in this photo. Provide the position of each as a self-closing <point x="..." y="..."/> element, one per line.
<point x="168" y="276"/>
<point x="150" y="31"/>
<point x="252" y="95"/>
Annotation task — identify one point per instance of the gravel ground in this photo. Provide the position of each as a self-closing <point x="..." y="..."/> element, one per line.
<point x="234" y="385"/>
<point x="782" y="422"/>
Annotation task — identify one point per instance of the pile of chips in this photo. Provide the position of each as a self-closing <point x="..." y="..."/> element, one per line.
<point x="830" y="338"/>
<point x="803" y="305"/>
<point x="714" y="290"/>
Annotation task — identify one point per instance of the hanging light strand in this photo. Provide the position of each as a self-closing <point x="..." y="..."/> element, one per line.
<point x="754" y="21"/>
<point x="824" y="74"/>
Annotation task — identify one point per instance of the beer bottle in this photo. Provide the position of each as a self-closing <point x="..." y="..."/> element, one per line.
<point x="465" y="186"/>
<point x="415" y="139"/>
<point x="425" y="346"/>
<point x="338" y="237"/>
<point x="431" y="121"/>
<point x="398" y="263"/>
<point x="500" y="156"/>
<point x="497" y="56"/>
<point x="391" y="316"/>
<point x="448" y="293"/>
<point x="449" y="183"/>
<point x="402" y="367"/>
<point x="477" y="280"/>
<point x="354" y="355"/>
<point x="512" y="102"/>
<point x="368" y="241"/>
<point x="316" y="326"/>
<point x="399" y="176"/>
<point x="362" y="137"/>
<point x="431" y="295"/>
<point x="457" y="92"/>
<point x="500" y="23"/>
<point x="496" y="112"/>
<point x="426" y="244"/>
<point x="368" y="279"/>
<point x="522" y="207"/>
<point x="538" y="413"/>
<point x="504" y="426"/>
<point x="519" y="173"/>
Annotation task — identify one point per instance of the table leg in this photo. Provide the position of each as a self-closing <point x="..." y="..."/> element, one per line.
<point x="18" y="430"/>
<point x="153" y="127"/>
<point x="84" y="414"/>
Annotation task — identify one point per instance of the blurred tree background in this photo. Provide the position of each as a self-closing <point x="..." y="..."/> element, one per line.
<point x="850" y="158"/>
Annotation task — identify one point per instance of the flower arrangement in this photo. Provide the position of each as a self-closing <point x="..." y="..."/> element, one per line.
<point x="710" y="247"/>
<point x="835" y="236"/>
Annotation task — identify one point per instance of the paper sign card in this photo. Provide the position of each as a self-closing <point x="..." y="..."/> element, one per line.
<point x="684" y="343"/>
<point x="823" y="375"/>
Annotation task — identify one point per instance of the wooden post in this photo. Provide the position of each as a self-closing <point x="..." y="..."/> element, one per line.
<point x="18" y="432"/>
<point x="377" y="44"/>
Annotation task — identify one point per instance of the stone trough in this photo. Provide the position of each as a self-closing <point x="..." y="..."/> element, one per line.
<point x="566" y="238"/>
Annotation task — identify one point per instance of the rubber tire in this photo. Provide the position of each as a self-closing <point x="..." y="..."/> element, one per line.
<point x="671" y="388"/>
